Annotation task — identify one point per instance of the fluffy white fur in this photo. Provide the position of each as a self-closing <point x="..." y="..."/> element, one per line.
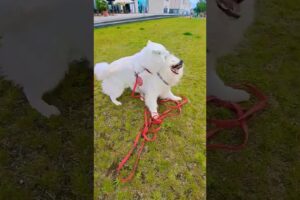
<point x="120" y="75"/>
<point x="224" y="34"/>
<point x="38" y="42"/>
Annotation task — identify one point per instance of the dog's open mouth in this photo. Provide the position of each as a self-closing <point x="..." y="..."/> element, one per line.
<point x="177" y="67"/>
<point x="230" y="7"/>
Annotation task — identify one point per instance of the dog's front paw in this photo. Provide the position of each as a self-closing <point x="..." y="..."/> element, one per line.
<point x="154" y="115"/>
<point x="156" y="119"/>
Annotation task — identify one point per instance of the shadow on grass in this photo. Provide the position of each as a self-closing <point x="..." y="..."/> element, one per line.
<point x="44" y="158"/>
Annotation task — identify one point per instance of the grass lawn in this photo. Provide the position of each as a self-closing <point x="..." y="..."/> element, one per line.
<point x="269" y="58"/>
<point x="43" y="158"/>
<point x="173" y="167"/>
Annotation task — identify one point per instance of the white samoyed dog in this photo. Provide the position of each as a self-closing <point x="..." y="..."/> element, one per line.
<point x="154" y="64"/>
<point x="227" y="22"/>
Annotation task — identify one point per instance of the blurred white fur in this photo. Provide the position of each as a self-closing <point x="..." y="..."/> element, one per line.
<point x="224" y="33"/>
<point x="39" y="40"/>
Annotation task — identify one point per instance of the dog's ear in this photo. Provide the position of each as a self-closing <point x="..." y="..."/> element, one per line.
<point x="157" y="52"/>
<point x="149" y="42"/>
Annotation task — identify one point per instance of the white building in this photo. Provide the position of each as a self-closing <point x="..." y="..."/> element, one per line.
<point x="181" y="7"/>
<point x="159" y="6"/>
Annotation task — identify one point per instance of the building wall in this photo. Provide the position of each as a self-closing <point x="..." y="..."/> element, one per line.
<point x="186" y="5"/>
<point x="166" y="6"/>
<point x="180" y="6"/>
<point x="136" y="6"/>
<point x="175" y="4"/>
<point x="156" y="6"/>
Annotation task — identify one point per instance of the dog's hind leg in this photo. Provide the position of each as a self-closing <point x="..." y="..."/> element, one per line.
<point x="113" y="90"/>
<point x="115" y="101"/>
<point x="40" y="105"/>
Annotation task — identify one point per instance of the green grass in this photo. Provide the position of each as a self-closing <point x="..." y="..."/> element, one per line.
<point x="174" y="166"/>
<point x="44" y="158"/>
<point x="269" y="58"/>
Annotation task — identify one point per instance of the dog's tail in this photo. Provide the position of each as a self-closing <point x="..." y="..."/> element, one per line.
<point x="101" y="70"/>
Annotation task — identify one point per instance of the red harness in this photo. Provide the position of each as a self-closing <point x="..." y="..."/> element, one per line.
<point x="151" y="127"/>
<point x="242" y="114"/>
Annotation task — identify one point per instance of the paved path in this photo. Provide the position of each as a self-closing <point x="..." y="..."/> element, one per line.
<point x="100" y="21"/>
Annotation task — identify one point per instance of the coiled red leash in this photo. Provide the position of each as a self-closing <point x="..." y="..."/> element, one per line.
<point x="242" y="114"/>
<point x="151" y="127"/>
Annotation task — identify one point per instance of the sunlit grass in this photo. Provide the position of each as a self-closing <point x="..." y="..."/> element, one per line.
<point x="173" y="166"/>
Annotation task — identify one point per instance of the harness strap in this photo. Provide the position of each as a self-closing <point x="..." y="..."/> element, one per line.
<point x="147" y="70"/>
<point x="162" y="79"/>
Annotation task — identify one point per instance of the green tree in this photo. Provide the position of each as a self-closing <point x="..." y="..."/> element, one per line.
<point x="200" y="7"/>
<point x="101" y="5"/>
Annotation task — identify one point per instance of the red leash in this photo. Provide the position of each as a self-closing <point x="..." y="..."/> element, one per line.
<point x="151" y="127"/>
<point x="242" y="114"/>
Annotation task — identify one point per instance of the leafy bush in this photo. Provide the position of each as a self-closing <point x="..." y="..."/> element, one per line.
<point x="101" y="5"/>
<point x="200" y="7"/>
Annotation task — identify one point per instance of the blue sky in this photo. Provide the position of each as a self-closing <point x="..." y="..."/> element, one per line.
<point x="194" y="2"/>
